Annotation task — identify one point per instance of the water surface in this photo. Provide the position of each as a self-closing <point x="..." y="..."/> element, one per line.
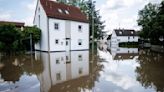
<point x="107" y="70"/>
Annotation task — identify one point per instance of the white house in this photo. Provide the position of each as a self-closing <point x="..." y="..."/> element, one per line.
<point x="123" y="35"/>
<point x="64" y="27"/>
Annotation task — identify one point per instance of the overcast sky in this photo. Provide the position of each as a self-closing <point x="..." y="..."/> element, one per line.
<point x="115" y="13"/>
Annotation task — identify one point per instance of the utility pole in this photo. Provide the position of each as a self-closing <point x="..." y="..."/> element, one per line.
<point x="92" y="27"/>
<point x="31" y="42"/>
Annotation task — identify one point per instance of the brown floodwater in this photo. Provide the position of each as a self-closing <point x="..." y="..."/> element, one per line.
<point x="112" y="70"/>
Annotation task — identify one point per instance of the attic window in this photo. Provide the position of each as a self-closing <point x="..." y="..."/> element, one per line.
<point x="60" y="11"/>
<point x="66" y="12"/>
<point x="120" y="32"/>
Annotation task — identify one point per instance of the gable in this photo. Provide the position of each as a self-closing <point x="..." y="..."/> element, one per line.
<point x="62" y="11"/>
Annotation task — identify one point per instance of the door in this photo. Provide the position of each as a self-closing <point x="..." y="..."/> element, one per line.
<point x="68" y="44"/>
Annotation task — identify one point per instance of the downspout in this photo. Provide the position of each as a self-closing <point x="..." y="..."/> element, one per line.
<point x="48" y="35"/>
<point x="49" y="59"/>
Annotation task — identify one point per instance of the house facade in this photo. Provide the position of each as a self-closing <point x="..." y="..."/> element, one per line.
<point x="63" y="27"/>
<point x="123" y="35"/>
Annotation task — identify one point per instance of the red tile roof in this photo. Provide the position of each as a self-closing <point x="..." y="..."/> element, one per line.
<point x="17" y="24"/>
<point x="52" y="10"/>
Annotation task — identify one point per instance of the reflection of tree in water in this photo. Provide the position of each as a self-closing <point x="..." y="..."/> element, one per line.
<point x="15" y="66"/>
<point x="10" y="72"/>
<point x="83" y="83"/>
<point x="150" y="72"/>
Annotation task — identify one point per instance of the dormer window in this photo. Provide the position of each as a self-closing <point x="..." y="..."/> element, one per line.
<point x="120" y="32"/>
<point x="66" y="12"/>
<point x="60" y="11"/>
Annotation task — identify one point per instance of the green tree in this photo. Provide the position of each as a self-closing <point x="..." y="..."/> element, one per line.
<point x="9" y="37"/>
<point x="93" y="14"/>
<point x="147" y="17"/>
<point x="159" y="24"/>
<point x="151" y="19"/>
<point x="34" y="31"/>
<point x="12" y="39"/>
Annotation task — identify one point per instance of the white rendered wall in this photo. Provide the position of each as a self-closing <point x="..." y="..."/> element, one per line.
<point x="48" y="77"/>
<point x="76" y="64"/>
<point x="43" y="44"/>
<point x="57" y="34"/>
<point x="44" y="77"/>
<point x="58" y="67"/>
<point x="76" y="35"/>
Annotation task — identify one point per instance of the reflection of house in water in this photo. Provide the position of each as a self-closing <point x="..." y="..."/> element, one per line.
<point x="119" y="53"/>
<point x="63" y="68"/>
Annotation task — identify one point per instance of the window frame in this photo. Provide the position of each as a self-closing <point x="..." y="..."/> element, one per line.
<point x="56" y="26"/>
<point x="80" y="28"/>
<point x="80" y="42"/>
<point x="57" y="41"/>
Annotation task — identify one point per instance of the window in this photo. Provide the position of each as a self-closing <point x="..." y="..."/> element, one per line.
<point x="66" y="43"/>
<point x="66" y="12"/>
<point x="57" y="61"/>
<point x="56" y="41"/>
<point x="128" y="37"/>
<point x="58" y="76"/>
<point x="56" y="26"/>
<point x="80" y="28"/>
<point x="60" y="11"/>
<point x="80" y="70"/>
<point x="80" y="42"/>
<point x="80" y="58"/>
<point x="62" y="58"/>
<point x="67" y="58"/>
<point x="120" y="32"/>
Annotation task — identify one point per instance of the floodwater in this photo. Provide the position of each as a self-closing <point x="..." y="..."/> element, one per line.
<point x="107" y="70"/>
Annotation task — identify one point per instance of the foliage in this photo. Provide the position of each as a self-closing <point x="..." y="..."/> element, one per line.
<point x="36" y="33"/>
<point x="94" y="14"/>
<point x="150" y="70"/>
<point x="9" y="37"/>
<point x="151" y="19"/>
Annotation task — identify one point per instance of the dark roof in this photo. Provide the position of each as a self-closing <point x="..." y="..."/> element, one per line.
<point x="120" y="56"/>
<point x="52" y="10"/>
<point x="125" y="32"/>
<point x="17" y="24"/>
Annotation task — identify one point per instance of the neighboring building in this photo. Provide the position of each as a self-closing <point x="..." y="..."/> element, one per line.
<point x="17" y="24"/>
<point x="63" y="27"/>
<point x="123" y="35"/>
